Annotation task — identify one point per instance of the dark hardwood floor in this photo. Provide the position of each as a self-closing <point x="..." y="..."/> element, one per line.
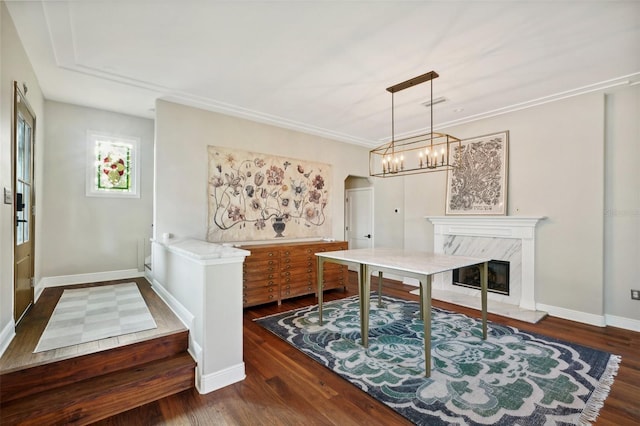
<point x="88" y="382"/>
<point x="285" y="387"/>
<point x="20" y="354"/>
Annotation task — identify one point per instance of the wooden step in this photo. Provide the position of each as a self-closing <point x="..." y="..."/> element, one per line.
<point x="24" y="382"/>
<point x="99" y="397"/>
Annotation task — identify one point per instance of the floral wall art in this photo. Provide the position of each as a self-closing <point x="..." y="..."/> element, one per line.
<point x="254" y="197"/>
<point x="477" y="185"/>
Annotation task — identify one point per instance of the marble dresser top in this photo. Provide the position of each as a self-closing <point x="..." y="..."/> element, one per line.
<point x="404" y="260"/>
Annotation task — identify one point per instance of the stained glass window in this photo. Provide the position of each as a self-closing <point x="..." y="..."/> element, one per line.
<point x="112" y="169"/>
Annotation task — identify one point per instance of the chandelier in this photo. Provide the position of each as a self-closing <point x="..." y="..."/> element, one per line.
<point x="423" y="153"/>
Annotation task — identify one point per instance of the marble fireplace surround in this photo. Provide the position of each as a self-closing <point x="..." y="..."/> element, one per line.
<point x="510" y="238"/>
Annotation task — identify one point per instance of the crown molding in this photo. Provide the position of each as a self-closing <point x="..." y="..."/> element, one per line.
<point x="59" y="21"/>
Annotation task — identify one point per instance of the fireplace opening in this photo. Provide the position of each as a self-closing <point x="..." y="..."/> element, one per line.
<point x="498" y="281"/>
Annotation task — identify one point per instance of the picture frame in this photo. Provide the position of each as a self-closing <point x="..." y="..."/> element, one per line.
<point x="477" y="184"/>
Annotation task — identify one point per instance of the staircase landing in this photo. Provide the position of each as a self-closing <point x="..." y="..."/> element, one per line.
<point x="84" y="383"/>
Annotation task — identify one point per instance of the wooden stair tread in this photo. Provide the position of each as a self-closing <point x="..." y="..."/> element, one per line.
<point x="100" y="397"/>
<point x="39" y="378"/>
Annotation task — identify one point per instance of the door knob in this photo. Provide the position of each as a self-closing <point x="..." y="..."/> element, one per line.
<point x="368" y="236"/>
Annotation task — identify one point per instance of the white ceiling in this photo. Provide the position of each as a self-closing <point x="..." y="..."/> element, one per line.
<point x="323" y="66"/>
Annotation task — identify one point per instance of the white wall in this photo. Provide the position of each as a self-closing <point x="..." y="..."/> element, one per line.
<point x="556" y="169"/>
<point x="622" y="204"/>
<point x="83" y="235"/>
<point x="182" y="136"/>
<point x="14" y="65"/>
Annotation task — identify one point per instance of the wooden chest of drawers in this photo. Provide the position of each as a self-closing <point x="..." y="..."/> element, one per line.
<point x="274" y="272"/>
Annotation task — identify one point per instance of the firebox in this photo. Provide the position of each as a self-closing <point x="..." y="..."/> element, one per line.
<point x="498" y="281"/>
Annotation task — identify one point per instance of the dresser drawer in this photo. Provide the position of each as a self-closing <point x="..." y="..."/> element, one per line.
<point x="259" y="298"/>
<point x="262" y="254"/>
<point x="278" y="271"/>
<point x="297" y="282"/>
<point x="296" y="291"/>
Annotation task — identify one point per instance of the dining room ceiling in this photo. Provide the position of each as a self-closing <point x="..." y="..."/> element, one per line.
<point x="322" y="67"/>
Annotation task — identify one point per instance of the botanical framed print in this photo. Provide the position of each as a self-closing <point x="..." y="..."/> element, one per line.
<point x="477" y="185"/>
<point x="260" y="197"/>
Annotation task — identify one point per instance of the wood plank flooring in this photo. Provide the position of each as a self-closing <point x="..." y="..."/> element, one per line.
<point x="285" y="387"/>
<point x="20" y="354"/>
<point x="85" y="383"/>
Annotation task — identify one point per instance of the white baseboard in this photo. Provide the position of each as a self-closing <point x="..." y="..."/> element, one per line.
<point x="195" y="349"/>
<point x="219" y="379"/>
<point x="6" y="336"/>
<point x="93" y="277"/>
<point x="622" y="322"/>
<point x="569" y="314"/>
<point x="181" y="312"/>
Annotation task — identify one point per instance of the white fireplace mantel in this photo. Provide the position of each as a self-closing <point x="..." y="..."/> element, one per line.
<point x="521" y="228"/>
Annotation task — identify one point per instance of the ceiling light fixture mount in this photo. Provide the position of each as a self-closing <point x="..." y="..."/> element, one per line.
<point x="423" y="153"/>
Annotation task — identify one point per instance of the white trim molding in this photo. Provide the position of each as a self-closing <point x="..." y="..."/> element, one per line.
<point x="570" y="314"/>
<point x="92" y="277"/>
<point x="178" y="308"/>
<point x="6" y="336"/>
<point x="622" y="322"/>
<point x="214" y="381"/>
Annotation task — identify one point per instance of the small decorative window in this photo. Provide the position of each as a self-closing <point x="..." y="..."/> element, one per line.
<point x="112" y="165"/>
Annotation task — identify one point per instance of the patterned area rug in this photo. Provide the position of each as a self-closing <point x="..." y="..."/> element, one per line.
<point x="93" y="313"/>
<point x="512" y="378"/>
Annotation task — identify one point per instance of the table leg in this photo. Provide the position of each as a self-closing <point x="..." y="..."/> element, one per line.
<point x="320" y="292"/>
<point x="421" y="303"/>
<point x="380" y="289"/>
<point x="364" y="289"/>
<point x="425" y="302"/>
<point x="484" y="278"/>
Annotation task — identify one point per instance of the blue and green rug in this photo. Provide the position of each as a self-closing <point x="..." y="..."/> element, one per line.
<point x="512" y="378"/>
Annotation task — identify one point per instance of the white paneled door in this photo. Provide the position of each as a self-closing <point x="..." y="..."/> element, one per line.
<point x="359" y="206"/>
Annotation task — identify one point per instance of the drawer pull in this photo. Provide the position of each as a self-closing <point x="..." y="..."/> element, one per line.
<point x="270" y="296"/>
<point x="270" y="289"/>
